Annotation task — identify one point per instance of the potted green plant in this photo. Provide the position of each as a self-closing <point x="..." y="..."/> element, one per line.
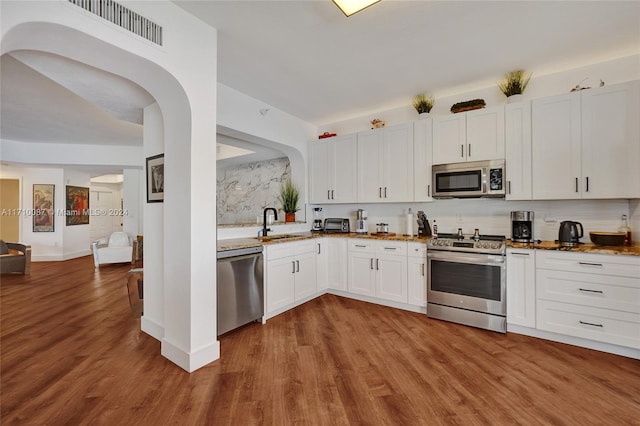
<point x="423" y="104"/>
<point x="289" y="196"/>
<point x="514" y="84"/>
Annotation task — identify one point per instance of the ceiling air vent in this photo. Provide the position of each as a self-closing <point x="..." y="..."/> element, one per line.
<point x="123" y="17"/>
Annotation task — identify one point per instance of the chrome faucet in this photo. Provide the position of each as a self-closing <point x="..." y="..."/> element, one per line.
<point x="264" y="219"/>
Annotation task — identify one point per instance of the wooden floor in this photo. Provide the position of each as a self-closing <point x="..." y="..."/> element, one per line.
<point x="73" y="354"/>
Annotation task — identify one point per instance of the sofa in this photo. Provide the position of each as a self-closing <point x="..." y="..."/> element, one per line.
<point x="118" y="248"/>
<point x="15" y="258"/>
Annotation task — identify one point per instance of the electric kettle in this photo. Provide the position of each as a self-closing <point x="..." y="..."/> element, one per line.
<point x="568" y="235"/>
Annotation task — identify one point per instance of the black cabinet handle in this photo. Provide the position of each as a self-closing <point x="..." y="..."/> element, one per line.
<point x="297" y="266"/>
<point x="293" y="265"/>
<point x="587" y="190"/>
<point x="591" y="324"/>
<point x="586" y="290"/>
<point x="576" y="184"/>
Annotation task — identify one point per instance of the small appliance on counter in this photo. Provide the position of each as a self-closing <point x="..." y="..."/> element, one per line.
<point x="424" y="230"/>
<point x="522" y="227"/>
<point x="568" y="234"/>
<point x="382" y="228"/>
<point x="317" y="219"/>
<point x="361" y="221"/>
<point x="336" y="224"/>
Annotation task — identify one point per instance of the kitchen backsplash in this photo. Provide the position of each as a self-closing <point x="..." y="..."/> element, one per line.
<point x="244" y="191"/>
<point x="492" y="216"/>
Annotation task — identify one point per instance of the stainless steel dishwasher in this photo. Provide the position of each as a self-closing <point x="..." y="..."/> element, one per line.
<point x="240" y="287"/>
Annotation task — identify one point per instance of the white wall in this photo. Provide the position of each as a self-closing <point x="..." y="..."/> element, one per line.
<point x="611" y="72"/>
<point x="45" y="246"/>
<point x="634" y="220"/>
<point x="492" y="216"/>
<point x="132" y="201"/>
<point x="152" y="232"/>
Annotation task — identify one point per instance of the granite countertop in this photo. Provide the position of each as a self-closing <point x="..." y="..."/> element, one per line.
<point x="236" y="243"/>
<point x="582" y="248"/>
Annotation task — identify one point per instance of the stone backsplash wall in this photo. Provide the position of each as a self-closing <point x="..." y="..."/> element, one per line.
<point x="244" y="191"/>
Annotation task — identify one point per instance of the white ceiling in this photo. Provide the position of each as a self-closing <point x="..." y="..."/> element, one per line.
<point x="308" y="59"/>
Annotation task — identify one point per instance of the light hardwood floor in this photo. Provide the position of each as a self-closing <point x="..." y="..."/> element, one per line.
<point x="73" y="354"/>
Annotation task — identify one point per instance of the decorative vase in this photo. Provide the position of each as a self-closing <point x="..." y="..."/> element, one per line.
<point x="514" y="98"/>
<point x="289" y="217"/>
<point x="423" y="116"/>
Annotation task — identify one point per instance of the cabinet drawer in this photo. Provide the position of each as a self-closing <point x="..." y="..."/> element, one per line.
<point x="362" y="246"/>
<point x="602" y="264"/>
<point x="280" y="250"/>
<point x="417" y="249"/>
<point x="391" y="247"/>
<point x="603" y="325"/>
<point x="600" y="291"/>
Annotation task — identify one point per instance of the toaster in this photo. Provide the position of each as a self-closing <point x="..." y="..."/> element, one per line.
<point x="336" y="224"/>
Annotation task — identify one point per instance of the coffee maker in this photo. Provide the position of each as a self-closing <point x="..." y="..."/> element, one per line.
<point x="317" y="219"/>
<point x="522" y="227"/>
<point x="361" y="221"/>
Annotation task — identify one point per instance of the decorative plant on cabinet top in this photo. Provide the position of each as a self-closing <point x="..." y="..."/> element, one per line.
<point x="514" y="83"/>
<point x="423" y="103"/>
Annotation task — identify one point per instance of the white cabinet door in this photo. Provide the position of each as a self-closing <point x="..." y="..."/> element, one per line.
<point x="422" y="159"/>
<point x="343" y="171"/>
<point x="521" y="287"/>
<point x="362" y="273"/>
<point x="370" y="179"/>
<point x="449" y="138"/>
<point x="485" y="134"/>
<point x="322" y="263"/>
<point x="417" y="281"/>
<point x="391" y="278"/>
<point x="319" y="166"/>
<point x="397" y="163"/>
<point x="417" y="274"/>
<point x="518" y="150"/>
<point x="280" y="283"/>
<point x="610" y="141"/>
<point x="305" y="276"/>
<point x="556" y="143"/>
<point x="332" y="170"/>
<point x="337" y="263"/>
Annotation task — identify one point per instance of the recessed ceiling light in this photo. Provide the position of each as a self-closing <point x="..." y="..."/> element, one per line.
<point x="349" y="7"/>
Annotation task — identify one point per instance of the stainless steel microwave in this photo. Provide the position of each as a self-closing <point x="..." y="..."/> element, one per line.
<point x="469" y="180"/>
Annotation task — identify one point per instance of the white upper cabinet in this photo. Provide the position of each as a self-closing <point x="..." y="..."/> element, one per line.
<point x="469" y="136"/>
<point x="332" y="170"/>
<point x="518" y="150"/>
<point x="422" y="159"/>
<point x="611" y="141"/>
<point x="587" y="144"/>
<point x="385" y="164"/>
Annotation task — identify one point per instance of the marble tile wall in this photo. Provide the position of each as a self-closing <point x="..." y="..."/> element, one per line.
<point x="244" y="191"/>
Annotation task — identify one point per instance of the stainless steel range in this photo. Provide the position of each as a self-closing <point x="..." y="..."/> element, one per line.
<point x="467" y="280"/>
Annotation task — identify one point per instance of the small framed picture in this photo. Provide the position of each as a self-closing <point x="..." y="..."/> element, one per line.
<point x="155" y="179"/>
<point x="43" y="207"/>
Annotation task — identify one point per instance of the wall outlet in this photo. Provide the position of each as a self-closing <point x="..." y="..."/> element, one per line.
<point x="550" y="219"/>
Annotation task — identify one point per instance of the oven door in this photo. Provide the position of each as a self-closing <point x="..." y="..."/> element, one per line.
<point x="470" y="281"/>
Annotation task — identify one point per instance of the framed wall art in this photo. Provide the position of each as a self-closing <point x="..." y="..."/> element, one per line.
<point x="155" y="179"/>
<point x="43" y="207"/>
<point x="77" y="207"/>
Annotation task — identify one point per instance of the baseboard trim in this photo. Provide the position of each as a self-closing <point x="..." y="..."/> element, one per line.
<point x="152" y="328"/>
<point x="76" y="254"/>
<point x="190" y="361"/>
<point x="575" y="341"/>
<point x="47" y="258"/>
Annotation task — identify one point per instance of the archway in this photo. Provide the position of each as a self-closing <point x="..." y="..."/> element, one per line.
<point x="182" y="274"/>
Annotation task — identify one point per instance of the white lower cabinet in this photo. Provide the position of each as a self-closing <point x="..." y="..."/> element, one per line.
<point x="378" y="269"/>
<point x="591" y="296"/>
<point x="332" y="263"/>
<point x="521" y="287"/>
<point x="290" y="273"/>
<point x="417" y="274"/>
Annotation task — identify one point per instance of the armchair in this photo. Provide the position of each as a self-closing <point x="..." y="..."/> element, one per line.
<point x="15" y="257"/>
<point x="118" y="248"/>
